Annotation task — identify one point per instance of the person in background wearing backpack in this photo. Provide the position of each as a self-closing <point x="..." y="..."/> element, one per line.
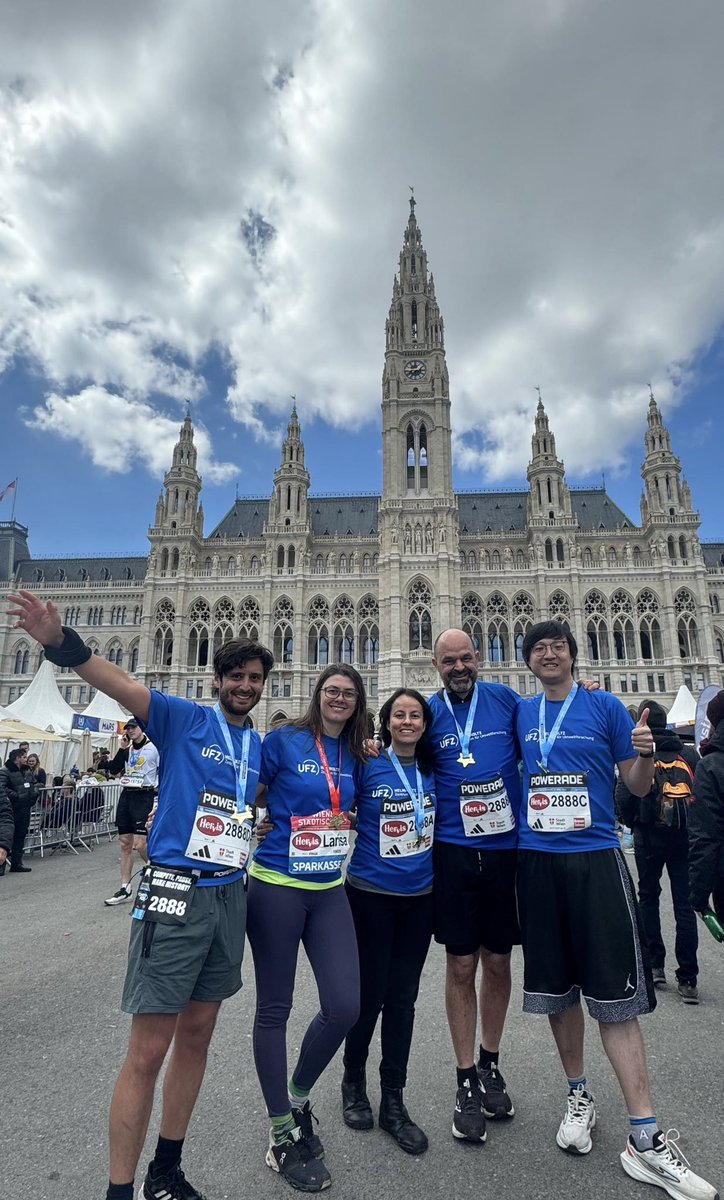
<point x="661" y="840"/>
<point x="706" y="860"/>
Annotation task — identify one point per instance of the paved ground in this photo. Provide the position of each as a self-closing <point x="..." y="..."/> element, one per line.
<point x="62" y="959"/>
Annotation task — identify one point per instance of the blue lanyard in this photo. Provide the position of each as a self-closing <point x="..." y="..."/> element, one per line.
<point x="547" y="741"/>
<point x="417" y="796"/>
<point x="241" y="777"/>
<point x="464" y="738"/>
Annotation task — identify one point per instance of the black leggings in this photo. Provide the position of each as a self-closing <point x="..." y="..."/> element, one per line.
<point x="393" y="938"/>
<point x="278" y="919"/>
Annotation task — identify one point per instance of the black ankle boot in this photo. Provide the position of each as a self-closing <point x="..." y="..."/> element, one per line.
<point x="396" y="1120"/>
<point x="356" y="1109"/>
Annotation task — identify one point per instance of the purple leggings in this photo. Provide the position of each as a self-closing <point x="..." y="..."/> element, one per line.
<point x="278" y="919"/>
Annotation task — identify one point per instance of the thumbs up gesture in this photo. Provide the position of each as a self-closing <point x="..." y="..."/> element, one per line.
<point x="641" y="735"/>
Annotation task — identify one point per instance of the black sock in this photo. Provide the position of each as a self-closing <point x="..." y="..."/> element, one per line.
<point x="167" y="1156"/>
<point x="119" y="1191"/>
<point x="467" y="1077"/>
<point x="488" y="1059"/>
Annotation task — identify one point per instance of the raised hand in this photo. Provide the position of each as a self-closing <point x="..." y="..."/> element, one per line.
<point x="40" y="620"/>
<point x="641" y="735"/>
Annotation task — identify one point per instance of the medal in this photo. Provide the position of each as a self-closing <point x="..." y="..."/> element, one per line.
<point x="466" y="760"/>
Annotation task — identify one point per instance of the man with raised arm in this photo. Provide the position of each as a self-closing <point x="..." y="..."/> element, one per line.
<point x="576" y="900"/>
<point x="189" y="916"/>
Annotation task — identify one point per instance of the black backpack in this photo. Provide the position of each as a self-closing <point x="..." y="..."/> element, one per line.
<point x="674" y="789"/>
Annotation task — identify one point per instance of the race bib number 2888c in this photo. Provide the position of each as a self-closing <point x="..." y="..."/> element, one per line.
<point x="559" y="803"/>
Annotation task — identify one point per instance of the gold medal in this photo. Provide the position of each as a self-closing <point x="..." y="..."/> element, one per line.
<point x="466" y="760"/>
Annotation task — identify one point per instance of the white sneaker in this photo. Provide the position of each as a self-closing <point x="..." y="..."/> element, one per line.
<point x="666" y="1167"/>
<point x="124" y="893"/>
<point x="574" y="1131"/>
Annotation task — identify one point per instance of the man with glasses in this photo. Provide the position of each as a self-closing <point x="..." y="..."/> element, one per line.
<point x="576" y="901"/>
<point x="477" y="784"/>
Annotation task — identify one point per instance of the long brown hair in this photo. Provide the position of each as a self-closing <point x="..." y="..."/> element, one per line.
<point x="355" y="729"/>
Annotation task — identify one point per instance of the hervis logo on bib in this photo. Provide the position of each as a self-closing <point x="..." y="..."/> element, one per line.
<point x="394" y="829"/>
<point x="475" y="808"/>
<point x="306" y="841"/>
<point x="538" y="801"/>
<point x="210" y="825"/>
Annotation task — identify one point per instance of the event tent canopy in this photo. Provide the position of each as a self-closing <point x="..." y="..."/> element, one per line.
<point x="42" y="705"/>
<point x="683" y="710"/>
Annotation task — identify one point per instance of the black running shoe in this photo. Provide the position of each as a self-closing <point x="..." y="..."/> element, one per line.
<point x="497" y="1104"/>
<point x="469" y="1119"/>
<point x="303" y="1117"/>
<point x="173" y="1185"/>
<point x="291" y="1160"/>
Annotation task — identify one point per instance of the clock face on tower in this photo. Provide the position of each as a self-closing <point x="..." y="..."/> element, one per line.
<point x="415" y="369"/>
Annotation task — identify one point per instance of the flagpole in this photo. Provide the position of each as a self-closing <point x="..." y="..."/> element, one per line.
<point x="15" y="496"/>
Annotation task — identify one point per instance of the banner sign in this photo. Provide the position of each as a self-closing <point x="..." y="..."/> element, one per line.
<point x="97" y="724"/>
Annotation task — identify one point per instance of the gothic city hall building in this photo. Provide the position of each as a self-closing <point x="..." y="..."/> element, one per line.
<point x="372" y="579"/>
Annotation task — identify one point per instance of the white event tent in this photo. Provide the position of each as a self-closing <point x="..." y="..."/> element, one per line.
<point x="42" y="705"/>
<point x="683" y="710"/>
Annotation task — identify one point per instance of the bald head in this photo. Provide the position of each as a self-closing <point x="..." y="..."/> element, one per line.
<point x="456" y="660"/>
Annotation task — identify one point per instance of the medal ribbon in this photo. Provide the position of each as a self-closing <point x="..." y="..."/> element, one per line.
<point x="240" y="777"/>
<point x="547" y="741"/>
<point x="464" y="738"/>
<point x="334" y="788"/>
<point x="417" y="796"/>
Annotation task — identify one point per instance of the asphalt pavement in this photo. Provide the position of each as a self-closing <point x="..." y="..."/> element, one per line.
<point x="62" y="963"/>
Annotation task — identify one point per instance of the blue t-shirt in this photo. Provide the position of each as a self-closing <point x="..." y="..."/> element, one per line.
<point x="193" y="759"/>
<point x="594" y="736"/>
<point x="385" y="829"/>
<point x="297" y="787"/>
<point x="494" y="749"/>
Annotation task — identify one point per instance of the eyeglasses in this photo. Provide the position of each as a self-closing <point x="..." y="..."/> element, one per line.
<point x="559" y="647"/>
<point x="334" y="693"/>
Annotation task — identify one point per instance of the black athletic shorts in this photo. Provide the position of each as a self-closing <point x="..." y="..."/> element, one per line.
<point x="581" y="935"/>
<point x="134" y="805"/>
<point x="474" y="899"/>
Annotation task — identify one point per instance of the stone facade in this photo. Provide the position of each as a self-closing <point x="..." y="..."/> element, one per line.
<point x="372" y="579"/>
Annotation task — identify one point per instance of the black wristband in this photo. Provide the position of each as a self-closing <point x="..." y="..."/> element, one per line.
<point x="650" y="754"/>
<point x="72" y="653"/>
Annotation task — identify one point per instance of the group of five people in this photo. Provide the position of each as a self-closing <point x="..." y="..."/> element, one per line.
<point x="506" y="805"/>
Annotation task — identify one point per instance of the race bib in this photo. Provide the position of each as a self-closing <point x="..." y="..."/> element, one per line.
<point x="559" y="803"/>
<point x="220" y="834"/>
<point x="318" y="844"/>
<point x="485" y="808"/>
<point x="398" y="834"/>
<point x="163" y="895"/>
<point x="134" y="781"/>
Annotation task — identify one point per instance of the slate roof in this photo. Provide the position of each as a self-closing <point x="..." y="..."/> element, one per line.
<point x="481" y="512"/>
<point x="713" y="553"/>
<point x="336" y="516"/>
<point x="55" y="570"/>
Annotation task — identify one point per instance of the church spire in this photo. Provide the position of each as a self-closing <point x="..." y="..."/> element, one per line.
<point x="666" y="493"/>
<point x="414" y="321"/>
<point x="291" y="478"/>
<point x="549" y="498"/>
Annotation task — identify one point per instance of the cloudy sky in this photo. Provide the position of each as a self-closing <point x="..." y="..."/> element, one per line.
<point x="204" y="203"/>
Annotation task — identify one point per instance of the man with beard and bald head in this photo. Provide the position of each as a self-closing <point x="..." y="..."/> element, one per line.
<point x="478" y="793"/>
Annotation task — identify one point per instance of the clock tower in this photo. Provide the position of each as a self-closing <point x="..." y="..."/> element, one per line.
<point x="418" y="525"/>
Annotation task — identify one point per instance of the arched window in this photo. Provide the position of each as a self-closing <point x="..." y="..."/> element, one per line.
<point x="410" y="457"/>
<point x="174" y="559"/>
<point x="472" y="620"/>
<point x="520" y="559"/>
<point x="198" y="643"/>
<point x="587" y="557"/>
<point x="22" y="658"/>
<point x="715" y="603"/>
<point x="163" y="647"/>
<point x="423" y="456"/>
<point x="682" y="547"/>
<point x="419" y="599"/>
<point x="368" y="614"/>
<point x="283" y="616"/>
<point x="495" y="560"/>
<point x="719" y="646"/>
<point x="549" y="550"/>
<point x="647" y="608"/>
<point x="560" y="553"/>
<point x="134" y="659"/>
<point x="671" y="544"/>
<point x="343" y="564"/>
<point x="280" y="558"/>
<point x="597" y="637"/>
<point x="612" y="559"/>
<point x="366" y="564"/>
<point x="291" y="558"/>
<point x="248" y="616"/>
<point x="318" y="633"/>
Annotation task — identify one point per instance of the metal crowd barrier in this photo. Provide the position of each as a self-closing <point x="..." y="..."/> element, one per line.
<point x="72" y="816"/>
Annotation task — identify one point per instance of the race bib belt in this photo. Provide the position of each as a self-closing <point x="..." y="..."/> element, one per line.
<point x="559" y="803"/>
<point x="220" y="833"/>
<point x="318" y="844"/>
<point x="164" y="895"/>
<point x="485" y="807"/>
<point x="135" y="781"/>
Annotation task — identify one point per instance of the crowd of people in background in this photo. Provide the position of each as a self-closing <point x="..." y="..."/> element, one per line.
<point x="482" y="820"/>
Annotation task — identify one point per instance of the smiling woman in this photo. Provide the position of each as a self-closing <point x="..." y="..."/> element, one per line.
<point x="308" y="768"/>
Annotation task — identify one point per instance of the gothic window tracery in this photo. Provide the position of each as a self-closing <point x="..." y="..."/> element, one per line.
<point x="419" y="601"/>
<point x="597" y="632"/>
<point x="249" y="618"/>
<point x="472" y="620"/>
<point x="559" y="607"/>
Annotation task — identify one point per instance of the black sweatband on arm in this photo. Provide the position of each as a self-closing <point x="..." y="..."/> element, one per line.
<point x="72" y="653"/>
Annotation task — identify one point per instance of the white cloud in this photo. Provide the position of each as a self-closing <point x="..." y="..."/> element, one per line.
<point x="569" y="176"/>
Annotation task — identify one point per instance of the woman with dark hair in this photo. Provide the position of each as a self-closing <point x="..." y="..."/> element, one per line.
<point x="389" y="885"/>
<point x="296" y="895"/>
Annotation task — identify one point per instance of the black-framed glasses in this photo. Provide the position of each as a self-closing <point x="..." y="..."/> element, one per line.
<point x="334" y="693"/>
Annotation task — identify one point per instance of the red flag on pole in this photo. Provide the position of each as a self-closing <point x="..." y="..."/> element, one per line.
<point x="10" y="487"/>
